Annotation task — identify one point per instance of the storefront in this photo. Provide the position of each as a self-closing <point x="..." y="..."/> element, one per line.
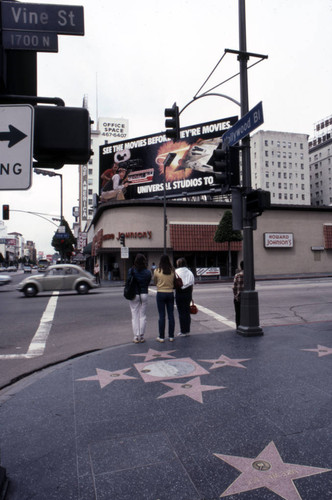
<point x="287" y="239"/>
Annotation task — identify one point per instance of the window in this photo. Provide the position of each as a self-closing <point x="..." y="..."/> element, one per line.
<point x="266" y="153"/>
<point x="266" y="142"/>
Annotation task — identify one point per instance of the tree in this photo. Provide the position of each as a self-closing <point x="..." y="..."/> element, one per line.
<point x="64" y="242"/>
<point x="226" y="233"/>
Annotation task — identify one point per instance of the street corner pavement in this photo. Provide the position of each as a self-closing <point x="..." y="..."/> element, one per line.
<point x="207" y="416"/>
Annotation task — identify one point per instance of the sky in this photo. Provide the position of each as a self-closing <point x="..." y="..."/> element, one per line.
<point x="137" y="58"/>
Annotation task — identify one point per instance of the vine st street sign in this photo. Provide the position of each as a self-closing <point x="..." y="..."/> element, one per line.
<point x="27" y="26"/>
<point x="16" y="146"/>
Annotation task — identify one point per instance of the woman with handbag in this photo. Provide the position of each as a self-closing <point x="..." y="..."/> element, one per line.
<point x="163" y="277"/>
<point x="142" y="277"/>
<point x="183" y="296"/>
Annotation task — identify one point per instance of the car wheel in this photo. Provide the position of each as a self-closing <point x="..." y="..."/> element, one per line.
<point x="82" y="288"/>
<point x="30" y="291"/>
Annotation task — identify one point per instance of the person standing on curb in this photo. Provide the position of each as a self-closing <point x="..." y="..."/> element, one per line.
<point x="163" y="277"/>
<point x="183" y="296"/>
<point x="139" y="304"/>
<point x="238" y="287"/>
<point x="96" y="272"/>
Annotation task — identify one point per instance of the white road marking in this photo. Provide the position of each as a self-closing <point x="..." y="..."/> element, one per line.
<point x="216" y="316"/>
<point x="38" y="343"/>
<point x="207" y="311"/>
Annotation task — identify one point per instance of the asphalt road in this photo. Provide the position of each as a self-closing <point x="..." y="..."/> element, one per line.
<point x="47" y="329"/>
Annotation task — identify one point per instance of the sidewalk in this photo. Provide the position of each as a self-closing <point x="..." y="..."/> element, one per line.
<point x="206" y="416"/>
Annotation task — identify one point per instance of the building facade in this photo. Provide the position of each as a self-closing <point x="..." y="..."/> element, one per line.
<point x="108" y="130"/>
<point x="320" y="153"/>
<point x="288" y="240"/>
<point x="280" y="164"/>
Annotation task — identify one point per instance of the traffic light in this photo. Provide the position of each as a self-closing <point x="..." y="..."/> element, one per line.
<point x="5" y="212"/>
<point x="62" y="135"/>
<point x="257" y="201"/>
<point x="173" y="123"/>
<point x="122" y="239"/>
<point x="226" y="168"/>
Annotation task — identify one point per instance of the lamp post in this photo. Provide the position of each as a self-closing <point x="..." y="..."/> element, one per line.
<point x="249" y="323"/>
<point x="168" y="160"/>
<point x="49" y="173"/>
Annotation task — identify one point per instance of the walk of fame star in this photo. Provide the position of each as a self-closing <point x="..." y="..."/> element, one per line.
<point x="321" y="350"/>
<point x="225" y="361"/>
<point x="193" y="389"/>
<point x="153" y="354"/>
<point x="106" y="377"/>
<point x="158" y="371"/>
<point x="267" y="470"/>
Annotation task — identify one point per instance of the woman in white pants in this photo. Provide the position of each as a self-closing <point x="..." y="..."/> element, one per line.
<point x="138" y="305"/>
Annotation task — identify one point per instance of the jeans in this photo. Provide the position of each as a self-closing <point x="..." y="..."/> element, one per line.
<point x="183" y="299"/>
<point x="138" y="314"/>
<point x="165" y="302"/>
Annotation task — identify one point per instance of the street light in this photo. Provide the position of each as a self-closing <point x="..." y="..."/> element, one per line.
<point x="168" y="160"/>
<point x="49" y="173"/>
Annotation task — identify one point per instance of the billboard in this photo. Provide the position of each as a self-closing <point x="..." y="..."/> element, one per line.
<point x="134" y="168"/>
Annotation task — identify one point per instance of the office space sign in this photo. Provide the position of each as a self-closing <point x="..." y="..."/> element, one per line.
<point x="278" y="240"/>
<point x="140" y="164"/>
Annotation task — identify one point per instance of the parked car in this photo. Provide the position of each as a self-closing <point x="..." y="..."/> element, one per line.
<point x="5" y="279"/>
<point x="58" y="277"/>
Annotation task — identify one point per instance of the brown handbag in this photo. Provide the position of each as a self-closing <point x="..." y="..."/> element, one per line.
<point x="193" y="308"/>
<point x="177" y="282"/>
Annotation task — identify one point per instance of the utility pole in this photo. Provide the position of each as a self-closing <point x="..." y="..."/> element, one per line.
<point x="249" y="322"/>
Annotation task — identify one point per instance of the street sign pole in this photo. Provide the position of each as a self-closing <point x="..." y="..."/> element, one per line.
<point x="249" y="318"/>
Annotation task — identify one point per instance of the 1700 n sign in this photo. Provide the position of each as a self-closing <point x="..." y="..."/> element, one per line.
<point x="30" y="40"/>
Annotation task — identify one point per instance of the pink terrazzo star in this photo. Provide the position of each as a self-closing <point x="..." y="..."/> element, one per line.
<point x="321" y="350"/>
<point x="225" y="361"/>
<point x="106" y="377"/>
<point x="193" y="389"/>
<point x="153" y="354"/>
<point x="267" y="470"/>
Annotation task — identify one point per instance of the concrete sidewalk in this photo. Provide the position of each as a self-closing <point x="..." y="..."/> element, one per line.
<point x="207" y="416"/>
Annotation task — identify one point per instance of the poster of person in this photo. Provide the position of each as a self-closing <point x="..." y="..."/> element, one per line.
<point x="134" y="168"/>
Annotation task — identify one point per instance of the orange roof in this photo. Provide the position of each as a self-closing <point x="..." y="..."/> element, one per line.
<point x="199" y="238"/>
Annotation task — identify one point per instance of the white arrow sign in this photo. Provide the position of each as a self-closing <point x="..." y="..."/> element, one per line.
<point x="16" y="146"/>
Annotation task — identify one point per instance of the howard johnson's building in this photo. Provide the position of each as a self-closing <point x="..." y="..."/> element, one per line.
<point x="288" y="240"/>
<point x="135" y="174"/>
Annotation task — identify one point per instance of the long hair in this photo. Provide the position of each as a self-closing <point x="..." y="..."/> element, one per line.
<point x="165" y="265"/>
<point x="140" y="262"/>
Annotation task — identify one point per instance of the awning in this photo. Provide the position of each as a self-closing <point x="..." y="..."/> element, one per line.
<point x="87" y="249"/>
<point x="198" y="238"/>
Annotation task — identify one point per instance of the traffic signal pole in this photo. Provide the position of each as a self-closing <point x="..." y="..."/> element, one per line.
<point x="249" y="318"/>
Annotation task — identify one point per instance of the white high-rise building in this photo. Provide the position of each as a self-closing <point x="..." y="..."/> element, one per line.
<point x="280" y="164"/>
<point x="320" y="154"/>
<point x="108" y="130"/>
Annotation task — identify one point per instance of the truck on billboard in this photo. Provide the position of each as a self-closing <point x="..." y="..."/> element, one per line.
<point x="135" y="168"/>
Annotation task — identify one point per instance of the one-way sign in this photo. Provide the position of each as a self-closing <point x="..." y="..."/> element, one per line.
<point x="16" y="146"/>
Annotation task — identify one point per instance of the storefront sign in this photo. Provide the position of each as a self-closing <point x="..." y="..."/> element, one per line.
<point x="278" y="240"/>
<point x="208" y="271"/>
<point x="134" y="168"/>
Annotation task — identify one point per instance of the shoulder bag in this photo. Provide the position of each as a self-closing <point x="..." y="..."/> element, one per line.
<point x="129" y="291"/>
<point x="178" y="283"/>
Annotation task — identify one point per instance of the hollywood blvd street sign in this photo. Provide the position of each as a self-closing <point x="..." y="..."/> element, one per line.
<point x="16" y="146"/>
<point x="249" y="122"/>
<point x="36" y="26"/>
